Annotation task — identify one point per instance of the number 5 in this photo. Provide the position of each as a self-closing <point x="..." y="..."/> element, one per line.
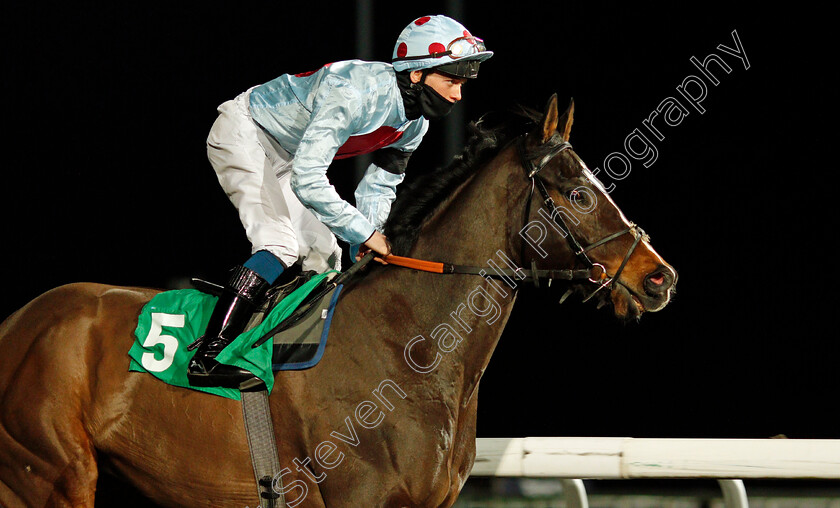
<point x="170" y="343"/>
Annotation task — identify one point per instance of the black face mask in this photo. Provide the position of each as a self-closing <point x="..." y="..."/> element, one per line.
<point x="422" y="100"/>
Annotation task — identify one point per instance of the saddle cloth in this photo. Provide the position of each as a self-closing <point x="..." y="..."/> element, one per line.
<point x="172" y="320"/>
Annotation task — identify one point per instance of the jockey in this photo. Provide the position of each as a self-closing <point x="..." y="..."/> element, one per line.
<point x="271" y="146"/>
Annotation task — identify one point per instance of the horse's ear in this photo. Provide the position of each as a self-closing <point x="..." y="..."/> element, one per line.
<point x="550" y="120"/>
<point x="567" y="120"/>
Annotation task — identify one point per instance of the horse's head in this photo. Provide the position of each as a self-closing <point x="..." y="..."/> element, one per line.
<point x="591" y="231"/>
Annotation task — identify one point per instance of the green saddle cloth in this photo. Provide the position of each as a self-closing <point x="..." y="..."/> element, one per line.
<point x="172" y="320"/>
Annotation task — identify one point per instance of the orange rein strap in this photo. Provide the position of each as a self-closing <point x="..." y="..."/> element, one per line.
<point x="417" y="264"/>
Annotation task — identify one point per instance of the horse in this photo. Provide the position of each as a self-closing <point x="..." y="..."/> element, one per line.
<point x="388" y="416"/>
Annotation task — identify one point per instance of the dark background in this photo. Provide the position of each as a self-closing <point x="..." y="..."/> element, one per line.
<point x="105" y="179"/>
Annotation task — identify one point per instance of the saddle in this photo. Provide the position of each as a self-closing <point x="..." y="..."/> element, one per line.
<point x="299" y="339"/>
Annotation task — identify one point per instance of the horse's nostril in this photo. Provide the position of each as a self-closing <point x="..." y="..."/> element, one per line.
<point x="657" y="283"/>
<point x="657" y="279"/>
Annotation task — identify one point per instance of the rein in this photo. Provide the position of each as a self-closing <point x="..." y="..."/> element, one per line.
<point x="533" y="275"/>
<point x="532" y="170"/>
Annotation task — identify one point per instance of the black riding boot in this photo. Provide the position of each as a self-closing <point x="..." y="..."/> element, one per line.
<point x="236" y="305"/>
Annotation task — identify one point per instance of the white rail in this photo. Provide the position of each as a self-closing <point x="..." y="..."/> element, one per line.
<point x="727" y="460"/>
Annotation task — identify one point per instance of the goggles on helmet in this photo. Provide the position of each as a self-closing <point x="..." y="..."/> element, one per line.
<point x="465" y="46"/>
<point x="458" y="48"/>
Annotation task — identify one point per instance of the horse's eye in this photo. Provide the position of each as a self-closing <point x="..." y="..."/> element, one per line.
<point x="577" y="196"/>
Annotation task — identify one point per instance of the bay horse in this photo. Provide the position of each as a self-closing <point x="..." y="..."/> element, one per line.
<point x="388" y="416"/>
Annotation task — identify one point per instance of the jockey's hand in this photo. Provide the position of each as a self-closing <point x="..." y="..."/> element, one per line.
<point x="377" y="243"/>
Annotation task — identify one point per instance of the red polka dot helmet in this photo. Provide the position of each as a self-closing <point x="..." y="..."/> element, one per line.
<point x="442" y="44"/>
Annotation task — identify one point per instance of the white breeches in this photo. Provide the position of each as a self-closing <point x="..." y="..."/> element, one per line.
<point x="254" y="171"/>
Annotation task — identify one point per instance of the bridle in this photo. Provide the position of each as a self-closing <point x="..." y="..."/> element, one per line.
<point x="532" y="172"/>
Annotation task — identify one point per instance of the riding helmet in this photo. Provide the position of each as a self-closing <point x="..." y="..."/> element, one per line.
<point x="439" y="43"/>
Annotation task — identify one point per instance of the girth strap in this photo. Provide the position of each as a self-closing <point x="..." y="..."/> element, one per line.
<point x="262" y="444"/>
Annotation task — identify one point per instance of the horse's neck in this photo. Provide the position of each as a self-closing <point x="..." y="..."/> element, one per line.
<point x="475" y="226"/>
<point x="478" y="219"/>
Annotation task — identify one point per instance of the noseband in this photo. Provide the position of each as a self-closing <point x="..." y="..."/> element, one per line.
<point x="532" y="172"/>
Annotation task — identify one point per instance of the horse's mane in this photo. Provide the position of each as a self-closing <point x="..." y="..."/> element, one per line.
<point x="417" y="201"/>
